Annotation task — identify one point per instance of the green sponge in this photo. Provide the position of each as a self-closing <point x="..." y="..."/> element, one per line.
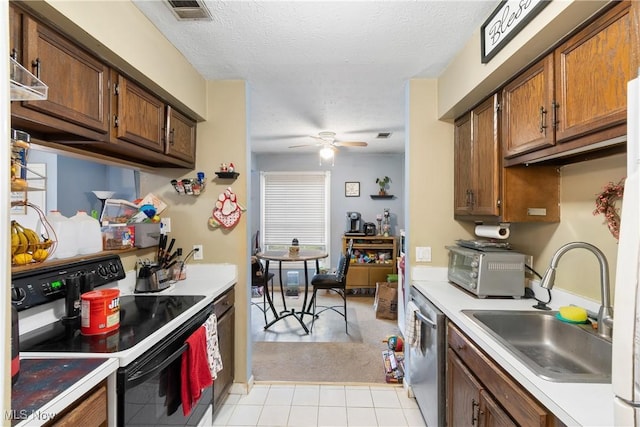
<point x="572" y="314"/>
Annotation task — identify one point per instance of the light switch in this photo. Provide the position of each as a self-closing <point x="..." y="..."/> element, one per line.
<point x="165" y="225"/>
<point x="423" y="253"/>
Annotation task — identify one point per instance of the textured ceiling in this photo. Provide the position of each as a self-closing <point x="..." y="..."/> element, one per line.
<point x="315" y="66"/>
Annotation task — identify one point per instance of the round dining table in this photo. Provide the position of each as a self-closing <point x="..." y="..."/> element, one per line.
<point x="285" y="256"/>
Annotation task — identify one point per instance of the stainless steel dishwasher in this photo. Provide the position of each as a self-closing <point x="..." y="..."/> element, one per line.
<point x="427" y="363"/>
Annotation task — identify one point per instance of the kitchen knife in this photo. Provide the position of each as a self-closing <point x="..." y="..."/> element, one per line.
<point x="168" y="251"/>
<point x="173" y="256"/>
<point x="162" y="243"/>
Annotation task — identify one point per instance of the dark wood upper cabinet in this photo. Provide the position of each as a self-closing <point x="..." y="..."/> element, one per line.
<point x="575" y="97"/>
<point x="526" y="110"/>
<point x="138" y="116"/>
<point x="477" y="161"/>
<point x="592" y="69"/>
<point x="77" y="100"/>
<point x="181" y="136"/>
<point x="92" y="107"/>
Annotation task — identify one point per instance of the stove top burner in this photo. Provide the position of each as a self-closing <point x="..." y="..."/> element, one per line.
<point x="140" y="316"/>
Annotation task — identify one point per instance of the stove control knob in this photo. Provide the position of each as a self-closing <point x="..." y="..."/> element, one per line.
<point x="113" y="268"/>
<point x="102" y="271"/>
<point x="18" y="294"/>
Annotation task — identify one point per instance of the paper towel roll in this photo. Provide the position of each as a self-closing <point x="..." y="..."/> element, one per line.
<point x="492" y="231"/>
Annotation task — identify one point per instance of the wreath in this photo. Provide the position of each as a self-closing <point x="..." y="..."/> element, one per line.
<point x="606" y="205"/>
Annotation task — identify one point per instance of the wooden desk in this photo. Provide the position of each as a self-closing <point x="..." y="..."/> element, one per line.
<point x="283" y="256"/>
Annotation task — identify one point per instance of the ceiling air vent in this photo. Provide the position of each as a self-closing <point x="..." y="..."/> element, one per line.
<point x="383" y="135"/>
<point x="190" y="10"/>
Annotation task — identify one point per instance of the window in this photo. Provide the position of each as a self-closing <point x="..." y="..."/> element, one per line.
<point x="295" y="205"/>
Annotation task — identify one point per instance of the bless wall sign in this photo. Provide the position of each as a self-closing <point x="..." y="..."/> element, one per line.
<point x="505" y="22"/>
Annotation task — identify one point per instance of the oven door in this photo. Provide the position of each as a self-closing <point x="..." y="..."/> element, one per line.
<point x="149" y="388"/>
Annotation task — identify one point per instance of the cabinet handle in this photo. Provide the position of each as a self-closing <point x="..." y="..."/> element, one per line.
<point x="543" y="114"/>
<point x="554" y="117"/>
<point x="36" y="64"/>
<point x="474" y="407"/>
<point x="14" y="53"/>
<point x="471" y="199"/>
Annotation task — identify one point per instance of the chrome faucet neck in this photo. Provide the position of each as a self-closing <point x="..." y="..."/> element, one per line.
<point x="605" y="314"/>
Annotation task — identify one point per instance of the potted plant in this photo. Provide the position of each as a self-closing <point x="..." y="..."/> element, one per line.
<point x="383" y="182"/>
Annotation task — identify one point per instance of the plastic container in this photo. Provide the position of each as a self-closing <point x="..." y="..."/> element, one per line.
<point x="88" y="234"/>
<point x="65" y="234"/>
<point x="100" y="311"/>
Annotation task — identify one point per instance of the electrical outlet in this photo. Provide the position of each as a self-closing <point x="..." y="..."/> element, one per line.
<point x="199" y="254"/>
<point x="528" y="260"/>
<point x="423" y="254"/>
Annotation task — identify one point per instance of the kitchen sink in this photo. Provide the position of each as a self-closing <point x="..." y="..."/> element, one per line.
<point x="554" y="350"/>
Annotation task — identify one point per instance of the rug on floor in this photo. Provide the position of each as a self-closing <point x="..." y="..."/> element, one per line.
<point x="285" y="353"/>
<point x="318" y="362"/>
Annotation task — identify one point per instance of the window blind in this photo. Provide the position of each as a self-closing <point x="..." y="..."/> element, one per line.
<point x="295" y="205"/>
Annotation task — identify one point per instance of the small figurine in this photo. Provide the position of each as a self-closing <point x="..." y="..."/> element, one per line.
<point x="231" y="168"/>
<point x="223" y="167"/>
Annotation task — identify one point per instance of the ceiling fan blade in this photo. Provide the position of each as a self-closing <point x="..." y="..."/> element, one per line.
<point x="351" y="144"/>
<point x="304" y="145"/>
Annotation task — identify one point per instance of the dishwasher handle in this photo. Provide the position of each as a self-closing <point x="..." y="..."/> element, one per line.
<point x="426" y="320"/>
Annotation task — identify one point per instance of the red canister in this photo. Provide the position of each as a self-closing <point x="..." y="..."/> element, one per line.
<point x="100" y="311"/>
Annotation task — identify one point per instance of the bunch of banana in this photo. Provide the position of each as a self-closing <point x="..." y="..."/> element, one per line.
<point x="26" y="245"/>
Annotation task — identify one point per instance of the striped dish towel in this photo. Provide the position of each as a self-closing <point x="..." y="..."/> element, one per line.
<point x="412" y="326"/>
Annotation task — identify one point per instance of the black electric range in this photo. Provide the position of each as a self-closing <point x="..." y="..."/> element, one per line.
<point x="140" y="316"/>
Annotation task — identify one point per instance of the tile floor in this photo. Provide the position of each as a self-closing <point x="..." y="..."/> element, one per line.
<point x="320" y="405"/>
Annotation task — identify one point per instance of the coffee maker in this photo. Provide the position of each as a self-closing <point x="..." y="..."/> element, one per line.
<point x="354" y="224"/>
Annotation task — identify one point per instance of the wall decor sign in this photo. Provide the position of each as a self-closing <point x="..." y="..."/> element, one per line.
<point x="352" y="189"/>
<point x="509" y="18"/>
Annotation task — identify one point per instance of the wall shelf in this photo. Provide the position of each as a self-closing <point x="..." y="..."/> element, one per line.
<point x="379" y="196"/>
<point x="227" y="175"/>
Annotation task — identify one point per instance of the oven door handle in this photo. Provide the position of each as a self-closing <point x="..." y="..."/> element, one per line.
<point x="426" y="320"/>
<point x="141" y="376"/>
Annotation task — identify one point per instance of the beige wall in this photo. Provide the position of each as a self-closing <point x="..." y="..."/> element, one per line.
<point x="430" y="170"/>
<point x="221" y="138"/>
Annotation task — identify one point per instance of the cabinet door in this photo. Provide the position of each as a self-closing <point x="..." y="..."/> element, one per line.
<point x="357" y="276"/>
<point x="15" y="29"/>
<point x="226" y="327"/>
<point x="592" y="71"/>
<point x="78" y="82"/>
<point x="138" y="116"/>
<point x="463" y="393"/>
<point x="491" y="414"/>
<point x="527" y="103"/>
<point x="486" y="160"/>
<point x="379" y="274"/>
<point x="181" y="136"/>
<point x="463" y="165"/>
<point x="89" y="410"/>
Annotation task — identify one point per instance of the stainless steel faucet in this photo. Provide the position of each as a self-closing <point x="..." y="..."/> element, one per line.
<point x="605" y="314"/>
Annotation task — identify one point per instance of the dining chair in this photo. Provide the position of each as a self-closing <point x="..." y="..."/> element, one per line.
<point x="258" y="282"/>
<point x="336" y="282"/>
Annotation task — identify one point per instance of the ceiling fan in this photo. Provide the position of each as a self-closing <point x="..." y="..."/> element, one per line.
<point x="329" y="145"/>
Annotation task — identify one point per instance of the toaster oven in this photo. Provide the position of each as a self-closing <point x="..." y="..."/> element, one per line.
<point x="487" y="272"/>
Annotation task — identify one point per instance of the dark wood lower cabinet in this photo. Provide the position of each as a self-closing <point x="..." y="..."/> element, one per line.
<point x="480" y="393"/>
<point x="90" y="410"/>
<point x="225" y="313"/>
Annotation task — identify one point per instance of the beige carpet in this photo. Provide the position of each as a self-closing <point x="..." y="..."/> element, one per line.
<point x="285" y="353"/>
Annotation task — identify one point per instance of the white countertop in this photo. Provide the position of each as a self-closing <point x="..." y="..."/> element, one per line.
<point x="584" y="404"/>
<point x="209" y="280"/>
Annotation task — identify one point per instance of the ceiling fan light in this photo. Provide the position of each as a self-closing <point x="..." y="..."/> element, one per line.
<point x="326" y="153"/>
